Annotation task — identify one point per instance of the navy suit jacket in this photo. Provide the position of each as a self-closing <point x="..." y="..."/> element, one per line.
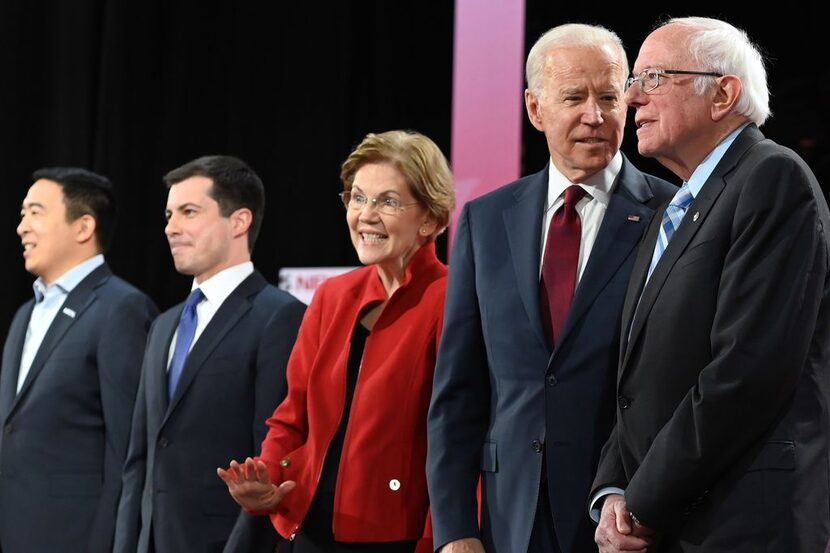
<point x="722" y="440"/>
<point x="65" y="434"/>
<point x="500" y="396"/>
<point x="233" y="379"/>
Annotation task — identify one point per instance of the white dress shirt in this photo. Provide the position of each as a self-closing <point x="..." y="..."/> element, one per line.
<point x="591" y="208"/>
<point x="216" y="290"/>
<point x="48" y="301"/>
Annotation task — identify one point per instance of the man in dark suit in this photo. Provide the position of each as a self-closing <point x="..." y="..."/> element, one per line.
<point x="214" y="370"/>
<point x="721" y="441"/>
<point x="70" y="370"/>
<point x="524" y="380"/>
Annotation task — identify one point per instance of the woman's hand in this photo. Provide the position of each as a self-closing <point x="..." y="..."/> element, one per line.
<point x="250" y="486"/>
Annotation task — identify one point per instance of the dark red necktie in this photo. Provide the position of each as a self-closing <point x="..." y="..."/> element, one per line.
<point x="559" y="265"/>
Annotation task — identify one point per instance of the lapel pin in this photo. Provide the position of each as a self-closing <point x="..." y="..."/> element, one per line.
<point x="68" y="312"/>
<point x="634" y="218"/>
<point x="697" y="216"/>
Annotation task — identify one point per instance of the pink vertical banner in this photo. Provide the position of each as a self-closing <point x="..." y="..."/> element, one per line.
<point x="487" y="103"/>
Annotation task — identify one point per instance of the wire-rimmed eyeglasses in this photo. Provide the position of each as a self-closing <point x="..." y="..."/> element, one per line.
<point x="388" y="205"/>
<point x="649" y="79"/>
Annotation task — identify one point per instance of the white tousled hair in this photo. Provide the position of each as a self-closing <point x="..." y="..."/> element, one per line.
<point x="722" y="48"/>
<point x="569" y="34"/>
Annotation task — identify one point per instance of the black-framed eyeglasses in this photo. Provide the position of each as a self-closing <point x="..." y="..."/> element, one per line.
<point x="388" y="205"/>
<point x="649" y="79"/>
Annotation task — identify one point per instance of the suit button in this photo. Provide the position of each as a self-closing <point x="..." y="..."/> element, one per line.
<point x="9" y="429"/>
<point x="394" y="485"/>
<point x="623" y="402"/>
<point x="551" y="379"/>
<point x="536" y="445"/>
<point x="163" y="442"/>
<point x="285" y="462"/>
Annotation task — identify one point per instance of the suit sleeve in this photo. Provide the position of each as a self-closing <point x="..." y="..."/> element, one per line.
<point x="459" y="410"/>
<point x="119" y="356"/>
<point x="254" y="533"/>
<point x="769" y="294"/>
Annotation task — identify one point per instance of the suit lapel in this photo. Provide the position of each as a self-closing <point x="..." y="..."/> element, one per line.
<point x="11" y="358"/>
<point x="621" y="230"/>
<point x="228" y="315"/>
<point x="694" y="218"/>
<point x="72" y="309"/>
<point x="158" y="355"/>
<point x="523" y="224"/>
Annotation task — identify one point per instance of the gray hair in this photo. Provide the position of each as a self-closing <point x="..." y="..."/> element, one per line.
<point x="569" y="34"/>
<point x="722" y="48"/>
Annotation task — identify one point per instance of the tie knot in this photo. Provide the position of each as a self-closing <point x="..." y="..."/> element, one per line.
<point x="683" y="197"/>
<point x="194" y="298"/>
<point x="573" y="194"/>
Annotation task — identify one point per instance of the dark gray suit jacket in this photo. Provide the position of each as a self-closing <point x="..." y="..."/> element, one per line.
<point x="65" y="435"/>
<point x="723" y="419"/>
<point x="501" y="397"/>
<point x="232" y="381"/>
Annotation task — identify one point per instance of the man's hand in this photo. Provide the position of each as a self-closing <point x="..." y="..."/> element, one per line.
<point x="250" y="486"/>
<point x="467" y="545"/>
<point x="617" y="532"/>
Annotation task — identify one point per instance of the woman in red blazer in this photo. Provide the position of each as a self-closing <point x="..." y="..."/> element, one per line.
<point x="342" y="466"/>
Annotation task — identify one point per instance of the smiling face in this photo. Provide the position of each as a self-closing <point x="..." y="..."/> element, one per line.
<point x="388" y="241"/>
<point x="201" y="239"/>
<point x="672" y="121"/>
<point x="580" y="108"/>
<point x="51" y="244"/>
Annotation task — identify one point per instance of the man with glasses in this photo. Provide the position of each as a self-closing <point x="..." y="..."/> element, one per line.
<point x="524" y="383"/>
<point x="721" y="443"/>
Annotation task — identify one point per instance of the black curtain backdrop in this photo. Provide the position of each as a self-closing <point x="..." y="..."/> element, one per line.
<point x="132" y="89"/>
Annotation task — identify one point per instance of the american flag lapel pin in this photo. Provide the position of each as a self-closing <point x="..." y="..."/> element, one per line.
<point x="634" y="218"/>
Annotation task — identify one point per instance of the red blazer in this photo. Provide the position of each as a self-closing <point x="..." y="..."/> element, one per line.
<point x="381" y="492"/>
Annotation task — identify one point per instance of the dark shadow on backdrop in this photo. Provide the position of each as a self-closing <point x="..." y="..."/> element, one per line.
<point x="132" y="89"/>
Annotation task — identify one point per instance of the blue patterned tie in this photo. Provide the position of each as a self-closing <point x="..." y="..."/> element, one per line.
<point x="671" y="220"/>
<point x="184" y="337"/>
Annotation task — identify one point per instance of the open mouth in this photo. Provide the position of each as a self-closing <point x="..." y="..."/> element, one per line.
<point x="373" y="238"/>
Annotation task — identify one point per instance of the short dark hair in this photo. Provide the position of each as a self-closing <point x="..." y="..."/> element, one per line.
<point x="85" y="193"/>
<point x="235" y="185"/>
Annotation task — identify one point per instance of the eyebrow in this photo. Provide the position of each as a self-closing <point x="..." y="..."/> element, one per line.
<point x="30" y="205"/>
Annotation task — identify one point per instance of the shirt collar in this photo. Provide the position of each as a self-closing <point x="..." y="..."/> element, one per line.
<point x="704" y="170"/>
<point x="598" y="185"/>
<point x="69" y="280"/>
<point x="218" y="287"/>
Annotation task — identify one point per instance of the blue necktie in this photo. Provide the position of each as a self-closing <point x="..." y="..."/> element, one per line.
<point x="671" y="220"/>
<point x="184" y="337"/>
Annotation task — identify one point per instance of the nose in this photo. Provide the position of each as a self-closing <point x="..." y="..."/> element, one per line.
<point x="369" y="211"/>
<point x="22" y="227"/>
<point x="592" y="114"/>
<point x="634" y="96"/>
<point x="171" y="229"/>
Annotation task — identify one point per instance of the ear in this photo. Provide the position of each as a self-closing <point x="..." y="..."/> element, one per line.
<point x="428" y="228"/>
<point x="728" y="91"/>
<point x="84" y="226"/>
<point x="533" y="110"/>
<point x="241" y="221"/>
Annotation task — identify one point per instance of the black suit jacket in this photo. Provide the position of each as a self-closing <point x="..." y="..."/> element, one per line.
<point x="723" y="417"/>
<point x="232" y="381"/>
<point x="65" y="434"/>
<point x="500" y="393"/>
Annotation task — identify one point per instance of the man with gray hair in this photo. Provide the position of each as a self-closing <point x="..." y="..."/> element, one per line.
<point x="721" y="441"/>
<point x="523" y="390"/>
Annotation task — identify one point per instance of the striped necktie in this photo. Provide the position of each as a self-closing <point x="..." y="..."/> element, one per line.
<point x="671" y="220"/>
